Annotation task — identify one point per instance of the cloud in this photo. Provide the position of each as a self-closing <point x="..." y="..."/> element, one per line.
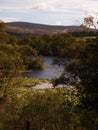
<point x="9" y="19"/>
<point x="58" y="22"/>
<point x="49" y="5"/>
<point x="54" y="11"/>
<point x="43" y="6"/>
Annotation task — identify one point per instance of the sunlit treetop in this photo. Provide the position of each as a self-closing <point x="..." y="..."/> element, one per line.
<point x="2" y="26"/>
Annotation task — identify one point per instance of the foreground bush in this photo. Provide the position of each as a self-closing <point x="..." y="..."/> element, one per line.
<point x="49" y="109"/>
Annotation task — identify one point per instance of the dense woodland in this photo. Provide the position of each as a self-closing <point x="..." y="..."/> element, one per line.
<point x="69" y="108"/>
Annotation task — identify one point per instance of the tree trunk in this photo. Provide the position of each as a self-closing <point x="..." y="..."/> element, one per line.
<point x="27" y="125"/>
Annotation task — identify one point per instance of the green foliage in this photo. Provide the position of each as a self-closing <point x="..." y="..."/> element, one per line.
<point x="30" y="58"/>
<point x="85" y="66"/>
<point x="47" y="45"/>
<point x="2" y="26"/>
<point x="4" y="37"/>
<point x="51" y="109"/>
<point x="82" y="69"/>
<point x="42" y="108"/>
<point x="35" y="63"/>
<point x="11" y="64"/>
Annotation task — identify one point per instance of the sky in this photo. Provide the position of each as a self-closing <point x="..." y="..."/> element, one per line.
<point x="50" y="12"/>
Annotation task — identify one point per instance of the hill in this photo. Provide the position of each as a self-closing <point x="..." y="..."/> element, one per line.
<point x="32" y="28"/>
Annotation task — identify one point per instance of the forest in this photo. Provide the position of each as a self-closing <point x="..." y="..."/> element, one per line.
<point x="74" y="107"/>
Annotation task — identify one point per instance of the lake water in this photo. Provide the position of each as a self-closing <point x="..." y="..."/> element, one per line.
<point x="49" y="72"/>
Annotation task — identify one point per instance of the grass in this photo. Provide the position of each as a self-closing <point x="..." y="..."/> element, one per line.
<point x="28" y="81"/>
<point x="86" y="38"/>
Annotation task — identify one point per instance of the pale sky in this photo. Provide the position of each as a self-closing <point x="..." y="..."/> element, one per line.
<point x="51" y="12"/>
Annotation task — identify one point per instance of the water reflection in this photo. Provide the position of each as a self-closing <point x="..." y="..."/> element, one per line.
<point x="49" y="71"/>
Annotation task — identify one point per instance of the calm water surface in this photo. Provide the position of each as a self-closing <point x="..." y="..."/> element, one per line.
<point x="50" y="71"/>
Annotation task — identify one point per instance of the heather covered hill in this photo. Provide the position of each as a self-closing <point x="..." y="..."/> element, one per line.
<point x="32" y="28"/>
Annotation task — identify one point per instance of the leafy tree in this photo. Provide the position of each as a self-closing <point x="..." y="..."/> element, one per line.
<point x="89" y="22"/>
<point x="82" y="70"/>
<point x="11" y="64"/>
<point x="2" y="26"/>
<point x="3" y="34"/>
<point x="85" y="66"/>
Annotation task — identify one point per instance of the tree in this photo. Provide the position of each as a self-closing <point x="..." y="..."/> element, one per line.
<point x="11" y="64"/>
<point x="85" y="67"/>
<point x="2" y="26"/>
<point x="82" y="70"/>
<point x="3" y="35"/>
<point x="89" y="22"/>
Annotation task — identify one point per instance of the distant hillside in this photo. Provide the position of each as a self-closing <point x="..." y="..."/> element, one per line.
<point x="31" y="28"/>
